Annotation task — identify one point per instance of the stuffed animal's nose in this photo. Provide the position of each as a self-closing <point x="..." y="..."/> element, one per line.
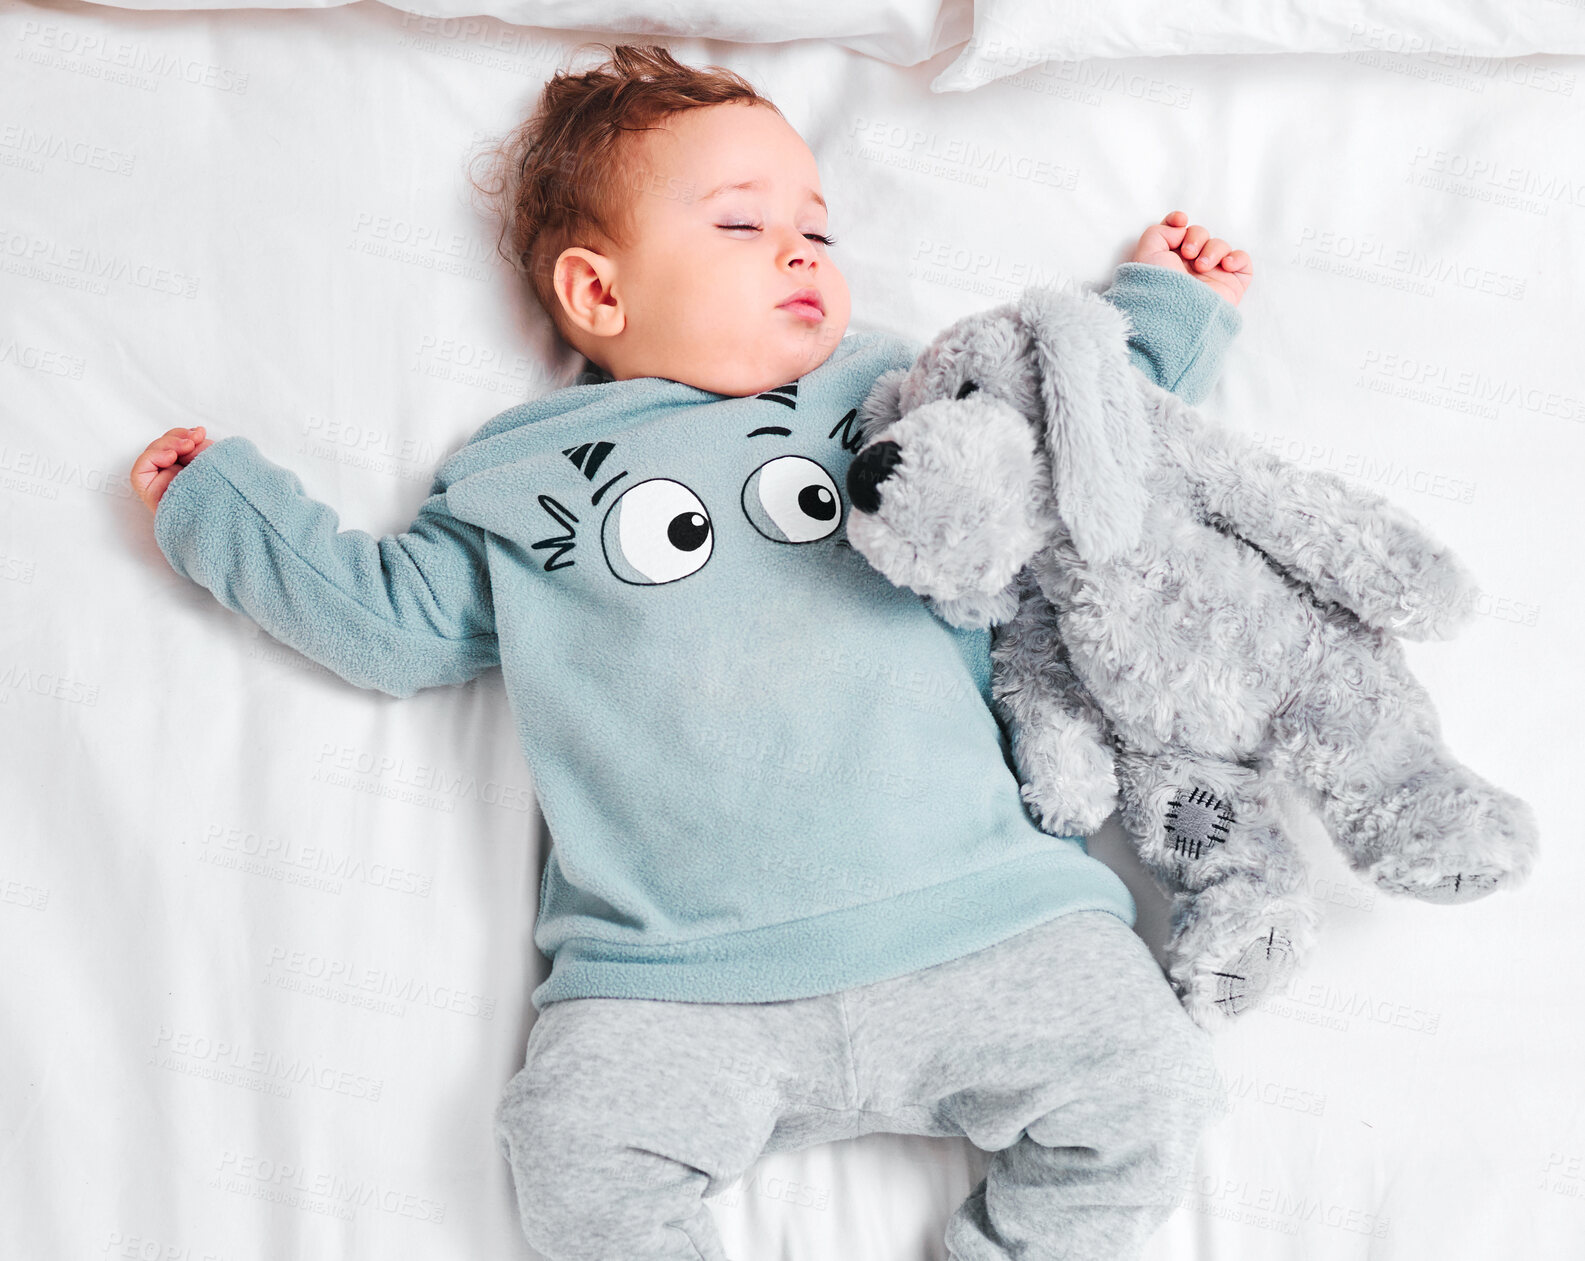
<point x="869" y="469"/>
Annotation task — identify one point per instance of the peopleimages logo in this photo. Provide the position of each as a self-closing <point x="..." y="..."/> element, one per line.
<point x="1360" y="256"/>
<point x="37" y="147"/>
<point x="1479" y="389"/>
<point x="297" y="862"/>
<point x="254" y="1068"/>
<point x="360" y="985"/>
<point x="119" y="61"/>
<point x="80" y="267"/>
<point x="340" y="763"/>
<point x="297" y="1186"/>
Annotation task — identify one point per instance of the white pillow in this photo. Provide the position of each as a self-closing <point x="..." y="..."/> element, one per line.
<point x="1012" y="35"/>
<point x="902" y="32"/>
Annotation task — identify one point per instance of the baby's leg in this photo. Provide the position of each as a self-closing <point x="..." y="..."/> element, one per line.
<point x="1063" y="1051"/>
<point x="627" y="1111"/>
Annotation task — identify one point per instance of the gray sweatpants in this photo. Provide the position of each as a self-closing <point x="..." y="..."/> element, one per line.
<point x="1061" y="1049"/>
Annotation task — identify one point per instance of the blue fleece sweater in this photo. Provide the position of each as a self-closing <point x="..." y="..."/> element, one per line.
<point x="767" y="772"/>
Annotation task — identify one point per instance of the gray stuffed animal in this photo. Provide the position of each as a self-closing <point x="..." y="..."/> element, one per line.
<point x="1221" y="620"/>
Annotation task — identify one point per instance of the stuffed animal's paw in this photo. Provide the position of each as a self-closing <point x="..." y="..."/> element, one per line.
<point x="1070" y="778"/>
<point x="976" y="612"/>
<point x="1260" y="968"/>
<point x="1430" y="595"/>
<point x="1234" y="946"/>
<point x="1079" y="811"/>
<point x="1449" y="836"/>
<point x="1430" y="882"/>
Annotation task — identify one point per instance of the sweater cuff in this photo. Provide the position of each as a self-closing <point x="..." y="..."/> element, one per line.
<point x="188" y="496"/>
<point x="1181" y="326"/>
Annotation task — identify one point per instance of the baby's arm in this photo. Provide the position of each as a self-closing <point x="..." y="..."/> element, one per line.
<point x="399" y="613"/>
<point x="1181" y="322"/>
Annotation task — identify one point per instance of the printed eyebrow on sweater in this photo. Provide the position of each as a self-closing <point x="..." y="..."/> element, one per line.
<point x="786" y="395"/>
<point x="587" y="459"/>
<point x="851" y="438"/>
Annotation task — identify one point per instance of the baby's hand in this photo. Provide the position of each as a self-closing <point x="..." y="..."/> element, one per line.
<point x="163" y="459"/>
<point x="1171" y="243"/>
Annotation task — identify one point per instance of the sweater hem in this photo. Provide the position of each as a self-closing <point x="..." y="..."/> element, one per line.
<point x="856" y="945"/>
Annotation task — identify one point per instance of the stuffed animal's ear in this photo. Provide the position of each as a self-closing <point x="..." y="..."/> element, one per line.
<point x="1097" y="433"/>
<point x="881" y="407"/>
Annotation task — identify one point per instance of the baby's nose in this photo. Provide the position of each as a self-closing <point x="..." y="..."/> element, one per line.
<point x="869" y="469"/>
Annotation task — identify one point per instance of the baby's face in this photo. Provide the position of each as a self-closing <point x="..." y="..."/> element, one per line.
<point x="703" y="290"/>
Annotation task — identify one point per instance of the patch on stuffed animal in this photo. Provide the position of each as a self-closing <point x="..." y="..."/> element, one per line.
<point x="1195" y="821"/>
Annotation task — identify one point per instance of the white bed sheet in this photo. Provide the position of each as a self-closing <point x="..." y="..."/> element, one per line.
<point x="266" y="937"/>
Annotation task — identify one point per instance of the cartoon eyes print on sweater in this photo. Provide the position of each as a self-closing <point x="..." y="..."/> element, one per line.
<point x="656" y="532"/>
<point x="791" y="499"/>
<point x="659" y="530"/>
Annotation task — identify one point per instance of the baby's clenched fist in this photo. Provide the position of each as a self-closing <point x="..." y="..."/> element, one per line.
<point x="1176" y="244"/>
<point x="163" y="459"/>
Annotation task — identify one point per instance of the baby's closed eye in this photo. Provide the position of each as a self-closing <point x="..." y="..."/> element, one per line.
<point x="750" y="227"/>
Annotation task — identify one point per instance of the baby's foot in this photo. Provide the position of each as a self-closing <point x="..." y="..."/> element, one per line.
<point x="1189" y="248"/>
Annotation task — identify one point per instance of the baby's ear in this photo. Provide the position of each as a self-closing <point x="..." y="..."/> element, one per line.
<point x="882" y="406"/>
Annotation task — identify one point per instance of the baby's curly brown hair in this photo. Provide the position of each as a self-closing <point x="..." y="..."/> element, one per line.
<point x="563" y="177"/>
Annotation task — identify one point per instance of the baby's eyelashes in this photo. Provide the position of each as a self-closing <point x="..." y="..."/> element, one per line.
<point x="750" y="227"/>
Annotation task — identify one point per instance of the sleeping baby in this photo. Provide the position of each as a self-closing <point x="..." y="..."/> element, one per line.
<point x="794" y="894"/>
